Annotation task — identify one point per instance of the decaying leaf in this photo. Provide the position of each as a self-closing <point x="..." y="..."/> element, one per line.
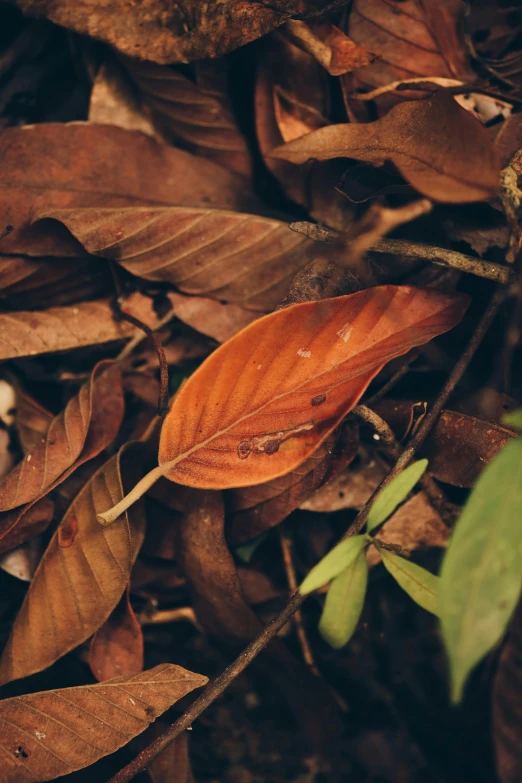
<point x="215" y="319"/>
<point x="48" y="734"/>
<point x="458" y="447"/>
<point x="330" y="46"/>
<point x="164" y="33"/>
<point x="38" y="164"/>
<point x="241" y="258"/>
<point x="117" y="646"/>
<point x="350" y="489"/>
<point x="62" y="328"/>
<point x="195" y="111"/>
<point x="253" y="510"/>
<point x="434" y="143"/>
<point x="414" y="38"/>
<point x="81" y="577"/>
<point x="32" y="420"/>
<point x="114" y="101"/>
<point x="261" y="404"/>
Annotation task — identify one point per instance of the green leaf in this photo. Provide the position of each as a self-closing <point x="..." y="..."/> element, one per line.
<point x="245" y="551"/>
<point x="420" y="584"/>
<point x="397" y="490"/>
<point x="344" y="603"/>
<point x="337" y="559"/>
<point x="513" y="419"/>
<point x="481" y="575"/>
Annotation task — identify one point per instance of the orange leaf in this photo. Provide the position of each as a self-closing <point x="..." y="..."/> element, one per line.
<point x="434" y="143"/>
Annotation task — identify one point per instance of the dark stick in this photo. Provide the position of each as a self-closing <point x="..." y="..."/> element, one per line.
<point x="163" y="399"/>
<point x="216" y="688"/>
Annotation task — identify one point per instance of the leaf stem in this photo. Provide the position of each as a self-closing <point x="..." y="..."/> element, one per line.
<point x="110" y="516"/>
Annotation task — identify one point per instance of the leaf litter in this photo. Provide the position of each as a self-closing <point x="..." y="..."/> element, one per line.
<point x="193" y="192"/>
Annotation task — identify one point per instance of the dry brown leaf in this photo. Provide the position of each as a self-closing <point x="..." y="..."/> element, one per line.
<point x="234" y="256"/>
<point x="458" y="447"/>
<point x="253" y="510"/>
<point x="434" y="143"/>
<point x="28" y="333"/>
<point x="88" y="425"/>
<point x="114" y="102"/>
<point x="58" y="166"/>
<point x="48" y="734"/>
<point x="414" y="38"/>
<point x="195" y="110"/>
<point x="81" y="576"/>
<point x="163" y="32"/>
<point x="173" y="764"/>
<point x="415" y="525"/>
<point x="117" y="646"/>
<point x="261" y="404"/>
<point x="32" y="420"/>
<point x="330" y="46"/>
<point x="507" y="705"/>
<point x="215" y="319"/>
<point x="350" y="489"/>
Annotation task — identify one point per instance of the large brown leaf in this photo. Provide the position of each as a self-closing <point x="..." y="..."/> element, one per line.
<point x="88" y="424"/>
<point x="48" y="734"/>
<point x="195" y="111"/>
<point x="262" y="403"/>
<point x="234" y="256"/>
<point x="56" y="166"/>
<point x="27" y="333"/>
<point x="253" y="510"/>
<point x="434" y="143"/>
<point x="117" y="646"/>
<point x="414" y="38"/>
<point x="82" y="574"/>
<point x="167" y="32"/>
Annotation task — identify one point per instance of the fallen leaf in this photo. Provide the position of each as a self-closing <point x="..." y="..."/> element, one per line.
<point x="215" y="319"/>
<point x="173" y="764"/>
<point x="350" y="489"/>
<point x="38" y="164"/>
<point x="494" y="33"/>
<point x="240" y="258"/>
<point x="411" y="39"/>
<point x="434" y="143"/>
<point x="458" y="447"/>
<point x="117" y="646"/>
<point x="414" y="526"/>
<point x="32" y="420"/>
<point x="165" y="33"/>
<point x="82" y="574"/>
<point x="22" y="561"/>
<point x="88" y="424"/>
<point x="261" y="404"/>
<point x="64" y="328"/>
<point x="253" y="510"/>
<point x="49" y="734"/>
<point x="507" y="705"/>
<point x="114" y="102"/>
<point x="330" y="46"/>
<point x="195" y="110"/>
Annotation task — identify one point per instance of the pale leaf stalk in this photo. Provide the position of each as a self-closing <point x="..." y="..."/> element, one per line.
<point x="110" y="516"/>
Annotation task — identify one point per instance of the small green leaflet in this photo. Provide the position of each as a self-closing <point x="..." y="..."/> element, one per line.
<point x="513" y="419"/>
<point x="481" y="575"/>
<point x="416" y="581"/>
<point x="397" y="490"/>
<point x="344" y="603"/>
<point x="337" y="560"/>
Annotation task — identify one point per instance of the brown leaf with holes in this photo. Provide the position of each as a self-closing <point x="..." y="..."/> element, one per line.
<point x="412" y="39"/>
<point x="88" y="424"/>
<point x="434" y="143"/>
<point x="194" y="109"/>
<point x="28" y="333"/>
<point x="117" y="646"/>
<point x="507" y="705"/>
<point x="82" y="575"/>
<point x="253" y="510"/>
<point x="49" y="734"/>
<point x="164" y="32"/>
<point x="244" y="259"/>
<point x="459" y="446"/>
<point x="41" y="169"/>
<point x="261" y="404"/>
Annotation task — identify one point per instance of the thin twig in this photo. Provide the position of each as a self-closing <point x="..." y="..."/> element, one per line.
<point x="286" y="550"/>
<point x="140" y="336"/>
<point x="219" y="685"/>
<point x="163" y="398"/>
